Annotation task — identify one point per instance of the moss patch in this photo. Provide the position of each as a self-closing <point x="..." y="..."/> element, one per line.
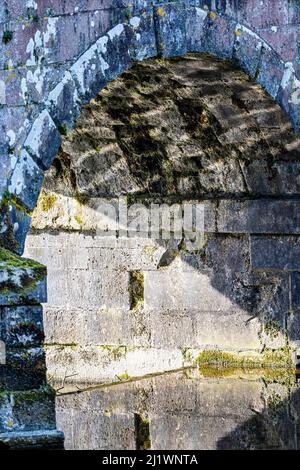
<point x="47" y="202"/>
<point x="13" y="261"/>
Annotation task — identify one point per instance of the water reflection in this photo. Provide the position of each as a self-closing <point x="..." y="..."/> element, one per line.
<point x="185" y="410"/>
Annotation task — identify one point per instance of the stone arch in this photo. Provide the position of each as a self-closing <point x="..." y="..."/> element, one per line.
<point x="163" y="30"/>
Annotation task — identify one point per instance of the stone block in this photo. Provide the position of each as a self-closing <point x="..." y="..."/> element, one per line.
<point x="220" y="36"/>
<point x="22" y="281"/>
<point x="289" y="95"/>
<point x="23" y="326"/>
<point x="43" y="141"/>
<point x="293" y="332"/>
<point x="295" y="291"/>
<point x="275" y="253"/>
<point x="176" y="290"/>
<point x="73" y="325"/>
<point x="56" y="29"/>
<point x="27" y="411"/>
<point x="25" y="369"/>
<point x="171" y="21"/>
<point x="88" y="73"/>
<point x="114" y="53"/>
<point x="109" y="431"/>
<point x="271" y="71"/>
<point x="26" y="181"/>
<point x="14" y="225"/>
<point x="247" y="49"/>
<point x="259" y="216"/>
<point x="195" y="28"/>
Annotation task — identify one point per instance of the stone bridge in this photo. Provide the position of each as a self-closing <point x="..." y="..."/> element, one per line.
<point x="56" y="56"/>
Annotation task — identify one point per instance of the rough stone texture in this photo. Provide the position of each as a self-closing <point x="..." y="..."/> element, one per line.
<point x="27" y="415"/>
<point x="104" y="39"/>
<point x="178" y="131"/>
<point x="182" y="411"/>
<point x="44" y="80"/>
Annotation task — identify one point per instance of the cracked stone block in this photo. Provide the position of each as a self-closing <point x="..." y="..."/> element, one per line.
<point x="63" y="103"/>
<point x="170" y="21"/>
<point x="275" y="253"/>
<point x="43" y="141"/>
<point x="26" y="181"/>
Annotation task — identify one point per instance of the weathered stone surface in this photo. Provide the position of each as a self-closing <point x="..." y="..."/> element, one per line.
<point x="21" y="280"/>
<point x="275" y="253"/>
<point x="26" y="181"/>
<point x="247" y="49"/>
<point x="170" y="21"/>
<point x="26" y="411"/>
<point x="259" y="216"/>
<point x="23" y="326"/>
<point x="270" y="71"/>
<point x="14" y="225"/>
<point x="32" y="440"/>
<point x="141" y="34"/>
<point x="195" y="26"/>
<point x="295" y="291"/>
<point x="43" y="140"/>
<point x="232" y="413"/>
<point x="25" y="369"/>
<point x="224" y="30"/>
<point x="63" y="103"/>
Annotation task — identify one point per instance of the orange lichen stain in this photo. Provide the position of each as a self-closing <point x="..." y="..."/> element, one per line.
<point x="161" y="11"/>
<point x="238" y="32"/>
<point x="212" y="15"/>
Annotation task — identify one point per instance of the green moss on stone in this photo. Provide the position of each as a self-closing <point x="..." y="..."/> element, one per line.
<point x="280" y="358"/>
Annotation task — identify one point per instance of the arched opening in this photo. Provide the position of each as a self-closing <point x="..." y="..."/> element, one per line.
<point x="192" y="130"/>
